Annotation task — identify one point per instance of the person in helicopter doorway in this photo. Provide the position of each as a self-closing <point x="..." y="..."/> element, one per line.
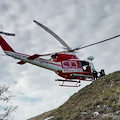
<point x="88" y="69"/>
<point x="95" y="75"/>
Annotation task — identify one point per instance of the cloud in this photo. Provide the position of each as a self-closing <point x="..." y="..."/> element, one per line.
<point x="77" y="22"/>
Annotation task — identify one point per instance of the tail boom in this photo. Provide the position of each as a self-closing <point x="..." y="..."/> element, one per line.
<point x="34" y="59"/>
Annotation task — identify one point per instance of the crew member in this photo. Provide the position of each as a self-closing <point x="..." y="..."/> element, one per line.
<point x="95" y="75"/>
<point x="102" y="73"/>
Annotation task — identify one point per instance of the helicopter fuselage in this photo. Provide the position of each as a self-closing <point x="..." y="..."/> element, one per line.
<point x="65" y="65"/>
<point x="62" y="66"/>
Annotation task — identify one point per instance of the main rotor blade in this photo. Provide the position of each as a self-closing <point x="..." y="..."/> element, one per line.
<point x="53" y="34"/>
<point x="8" y="34"/>
<point x="98" y="42"/>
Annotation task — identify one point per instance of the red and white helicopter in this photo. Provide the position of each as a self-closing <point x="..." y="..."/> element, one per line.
<point x="65" y="63"/>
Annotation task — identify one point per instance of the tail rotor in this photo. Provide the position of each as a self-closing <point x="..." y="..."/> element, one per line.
<point x="6" y="33"/>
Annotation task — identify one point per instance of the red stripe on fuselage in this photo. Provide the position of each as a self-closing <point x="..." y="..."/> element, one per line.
<point x="48" y="61"/>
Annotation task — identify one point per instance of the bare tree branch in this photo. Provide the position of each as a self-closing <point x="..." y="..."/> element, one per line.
<point x="5" y="97"/>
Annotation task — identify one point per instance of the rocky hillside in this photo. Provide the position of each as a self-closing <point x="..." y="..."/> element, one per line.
<point x="98" y="101"/>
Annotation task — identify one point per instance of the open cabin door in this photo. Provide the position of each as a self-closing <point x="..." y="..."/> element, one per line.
<point x="71" y="66"/>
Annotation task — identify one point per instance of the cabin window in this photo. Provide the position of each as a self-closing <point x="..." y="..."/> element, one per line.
<point x="73" y="64"/>
<point x="66" y="64"/>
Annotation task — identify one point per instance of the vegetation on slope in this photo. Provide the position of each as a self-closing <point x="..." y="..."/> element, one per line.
<point x="100" y="100"/>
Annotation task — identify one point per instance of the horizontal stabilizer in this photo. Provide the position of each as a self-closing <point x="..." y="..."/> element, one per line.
<point x="30" y="58"/>
<point x="33" y="56"/>
<point x="21" y="62"/>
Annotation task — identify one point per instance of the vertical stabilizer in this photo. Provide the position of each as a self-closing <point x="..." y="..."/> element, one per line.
<point x="5" y="46"/>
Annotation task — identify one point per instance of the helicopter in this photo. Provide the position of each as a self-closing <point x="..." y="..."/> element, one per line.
<point x="65" y="63"/>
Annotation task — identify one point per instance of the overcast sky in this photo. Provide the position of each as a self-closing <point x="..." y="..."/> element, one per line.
<point x="77" y="22"/>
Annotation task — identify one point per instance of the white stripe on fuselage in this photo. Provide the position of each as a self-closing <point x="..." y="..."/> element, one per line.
<point x="54" y="66"/>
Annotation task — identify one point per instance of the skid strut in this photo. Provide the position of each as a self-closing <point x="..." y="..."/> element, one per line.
<point x="67" y="80"/>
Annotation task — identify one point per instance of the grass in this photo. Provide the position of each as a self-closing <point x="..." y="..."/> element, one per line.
<point x="102" y="96"/>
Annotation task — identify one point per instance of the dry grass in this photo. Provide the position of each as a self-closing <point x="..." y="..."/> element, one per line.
<point x="102" y="96"/>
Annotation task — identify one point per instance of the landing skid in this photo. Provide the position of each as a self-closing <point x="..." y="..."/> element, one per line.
<point x="89" y="80"/>
<point x="67" y="80"/>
